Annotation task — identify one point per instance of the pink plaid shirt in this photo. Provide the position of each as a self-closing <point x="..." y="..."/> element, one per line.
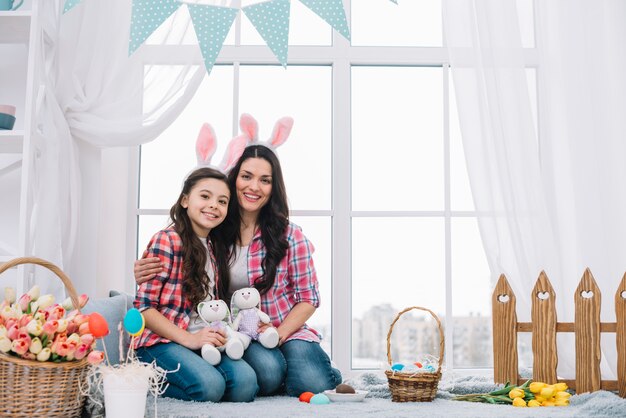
<point x="165" y="292"/>
<point x="296" y="280"/>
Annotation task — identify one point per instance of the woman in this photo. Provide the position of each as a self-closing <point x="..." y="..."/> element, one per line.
<point x="273" y="255"/>
<point x="193" y="258"/>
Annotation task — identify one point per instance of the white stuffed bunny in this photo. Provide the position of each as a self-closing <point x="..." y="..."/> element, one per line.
<point x="214" y="313"/>
<point x="246" y="303"/>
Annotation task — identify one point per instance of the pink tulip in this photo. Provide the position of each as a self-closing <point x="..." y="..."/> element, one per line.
<point x="24" y="302"/>
<point x="8" y="323"/>
<point x="72" y="314"/>
<point x="35" y="346"/>
<point x="71" y="350"/>
<point x="87" y="339"/>
<point x="71" y="327"/>
<point x="60" y="338"/>
<point x="80" y="319"/>
<point x="60" y="348"/>
<point x="95" y="357"/>
<point x="82" y="300"/>
<point x="23" y="335"/>
<point x="50" y="327"/>
<point x="24" y="320"/>
<point x="81" y="351"/>
<point x="84" y="329"/>
<point x="44" y="354"/>
<point x="29" y="356"/>
<point x="56" y="312"/>
<point x="19" y="346"/>
<point x="13" y="332"/>
<point x="5" y="344"/>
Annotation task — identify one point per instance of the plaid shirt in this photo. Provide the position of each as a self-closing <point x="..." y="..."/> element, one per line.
<point x="165" y="292"/>
<point x="296" y="280"/>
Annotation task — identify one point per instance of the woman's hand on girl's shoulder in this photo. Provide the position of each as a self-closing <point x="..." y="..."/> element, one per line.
<point x="146" y="269"/>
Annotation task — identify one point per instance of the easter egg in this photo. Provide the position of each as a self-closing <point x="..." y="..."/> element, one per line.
<point x="319" y="399"/>
<point x="306" y="396"/>
<point x="98" y="325"/>
<point x="397" y="367"/>
<point x="343" y="388"/>
<point x="418" y="364"/>
<point x="134" y="322"/>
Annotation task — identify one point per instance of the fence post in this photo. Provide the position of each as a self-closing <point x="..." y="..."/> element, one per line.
<point x="620" y="316"/>
<point x="587" y="300"/>
<point x="504" y="333"/>
<point x="544" y="330"/>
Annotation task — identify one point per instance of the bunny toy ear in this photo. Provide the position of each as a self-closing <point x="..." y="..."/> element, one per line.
<point x="281" y="132"/>
<point x="236" y="146"/>
<point x="249" y="126"/>
<point x="206" y="145"/>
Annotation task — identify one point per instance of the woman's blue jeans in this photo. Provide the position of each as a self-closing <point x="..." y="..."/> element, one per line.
<point x="197" y="380"/>
<point x="308" y="368"/>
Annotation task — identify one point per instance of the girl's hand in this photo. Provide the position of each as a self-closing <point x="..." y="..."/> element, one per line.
<point x="147" y="269"/>
<point x="196" y="340"/>
<point x="281" y="335"/>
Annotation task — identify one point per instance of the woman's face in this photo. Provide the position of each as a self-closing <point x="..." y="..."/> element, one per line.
<point x="254" y="185"/>
<point x="207" y="205"/>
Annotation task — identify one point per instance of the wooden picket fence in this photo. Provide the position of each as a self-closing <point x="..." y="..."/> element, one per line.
<point x="544" y="326"/>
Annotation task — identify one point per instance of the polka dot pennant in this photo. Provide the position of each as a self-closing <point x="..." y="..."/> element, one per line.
<point x="211" y="24"/>
<point x="271" y="20"/>
<point x="332" y="12"/>
<point x="394" y="1"/>
<point x="69" y="4"/>
<point x="147" y="16"/>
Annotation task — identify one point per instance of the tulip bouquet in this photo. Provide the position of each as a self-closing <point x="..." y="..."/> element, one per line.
<point x="34" y="327"/>
<point x="529" y="394"/>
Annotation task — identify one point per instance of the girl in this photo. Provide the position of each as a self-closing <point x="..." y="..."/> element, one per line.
<point x="193" y="259"/>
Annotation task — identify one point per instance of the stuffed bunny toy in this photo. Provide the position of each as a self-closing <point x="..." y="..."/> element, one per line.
<point x="215" y="314"/>
<point x="246" y="302"/>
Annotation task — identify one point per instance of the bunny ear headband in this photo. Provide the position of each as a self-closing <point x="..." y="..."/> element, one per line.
<point x="206" y="144"/>
<point x="282" y="129"/>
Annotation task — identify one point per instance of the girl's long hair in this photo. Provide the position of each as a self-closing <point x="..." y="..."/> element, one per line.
<point x="195" y="279"/>
<point x="273" y="221"/>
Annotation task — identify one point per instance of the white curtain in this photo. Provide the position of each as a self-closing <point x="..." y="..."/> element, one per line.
<point x="551" y="201"/>
<point x="90" y="99"/>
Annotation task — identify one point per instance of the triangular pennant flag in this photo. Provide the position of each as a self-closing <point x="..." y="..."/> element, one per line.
<point x="271" y="20"/>
<point x="146" y="17"/>
<point x="211" y="24"/>
<point x="332" y="12"/>
<point x="394" y="1"/>
<point x="69" y="4"/>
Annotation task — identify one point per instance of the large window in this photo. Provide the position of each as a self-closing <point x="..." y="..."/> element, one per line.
<point x="375" y="174"/>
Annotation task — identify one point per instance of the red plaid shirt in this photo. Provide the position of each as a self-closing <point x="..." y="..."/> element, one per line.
<point x="296" y="280"/>
<point x="165" y="292"/>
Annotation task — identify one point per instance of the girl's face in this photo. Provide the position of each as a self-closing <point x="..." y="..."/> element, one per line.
<point x="254" y="185"/>
<point x="207" y="205"/>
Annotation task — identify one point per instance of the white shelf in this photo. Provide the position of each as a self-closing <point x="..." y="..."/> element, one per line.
<point x="11" y="142"/>
<point x="15" y="26"/>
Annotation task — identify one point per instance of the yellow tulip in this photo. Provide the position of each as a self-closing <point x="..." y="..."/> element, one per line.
<point x="533" y="403"/>
<point x="547" y="403"/>
<point x="516" y="393"/>
<point x="562" y="395"/>
<point x="547" y="392"/>
<point x="519" y="402"/>
<point x="560" y="387"/>
<point x="539" y="398"/>
<point x="561" y="402"/>
<point x="535" y="387"/>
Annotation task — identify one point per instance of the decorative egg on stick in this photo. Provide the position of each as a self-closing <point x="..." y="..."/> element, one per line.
<point x="134" y="324"/>
<point x="99" y="328"/>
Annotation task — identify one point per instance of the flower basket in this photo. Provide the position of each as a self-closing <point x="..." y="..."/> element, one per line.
<point x="43" y="389"/>
<point x="414" y="387"/>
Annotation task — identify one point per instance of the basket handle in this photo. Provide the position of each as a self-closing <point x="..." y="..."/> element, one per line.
<point x="441" y="336"/>
<point x="53" y="268"/>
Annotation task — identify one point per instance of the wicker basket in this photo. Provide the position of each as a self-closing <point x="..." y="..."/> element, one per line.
<point x="414" y="387"/>
<point x="41" y="389"/>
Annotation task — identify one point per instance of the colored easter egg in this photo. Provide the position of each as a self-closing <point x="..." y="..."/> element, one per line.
<point x="343" y="388"/>
<point x="319" y="399"/>
<point x="397" y="367"/>
<point x="418" y="364"/>
<point x="134" y="322"/>
<point x="98" y="326"/>
<point x="429" y="368"/>
<point x="306" y="396"/>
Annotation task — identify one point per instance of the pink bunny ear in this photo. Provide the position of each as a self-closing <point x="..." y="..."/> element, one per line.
<point x="206" y="144"/>
<point x="249" y="126"/>
<point x="235" y="148"/>
<point x="281" y="132"/>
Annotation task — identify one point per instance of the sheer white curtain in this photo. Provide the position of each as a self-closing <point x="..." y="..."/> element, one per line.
<point x="90" y="101"/>
<point x="552" y="203"/>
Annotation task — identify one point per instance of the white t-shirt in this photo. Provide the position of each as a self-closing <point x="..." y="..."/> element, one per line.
<point x="239" y="270"/>
<point x="195" y="322"/>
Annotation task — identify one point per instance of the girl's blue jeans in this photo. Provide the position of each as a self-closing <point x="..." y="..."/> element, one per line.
<point x="302" y="366"/>
<point x="197" y="380"/>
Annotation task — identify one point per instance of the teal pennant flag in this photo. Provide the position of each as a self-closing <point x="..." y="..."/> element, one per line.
<point x="332" y="12"/>
<point x="211" y="24"/>
<point x="394" y="1"/>
<point x="146" y="17"/>
<point x="69" y="5"/>
<point x="271" y="20"/>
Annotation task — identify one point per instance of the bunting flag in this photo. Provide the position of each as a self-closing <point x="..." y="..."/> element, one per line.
<point x="271" y="20"/>
<point x="211" y="24"/>
<point x="69" y="5"/>
<point x="332" y="12"/>
<point x="147" y="16"/>
<point x="394" y="1"/>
